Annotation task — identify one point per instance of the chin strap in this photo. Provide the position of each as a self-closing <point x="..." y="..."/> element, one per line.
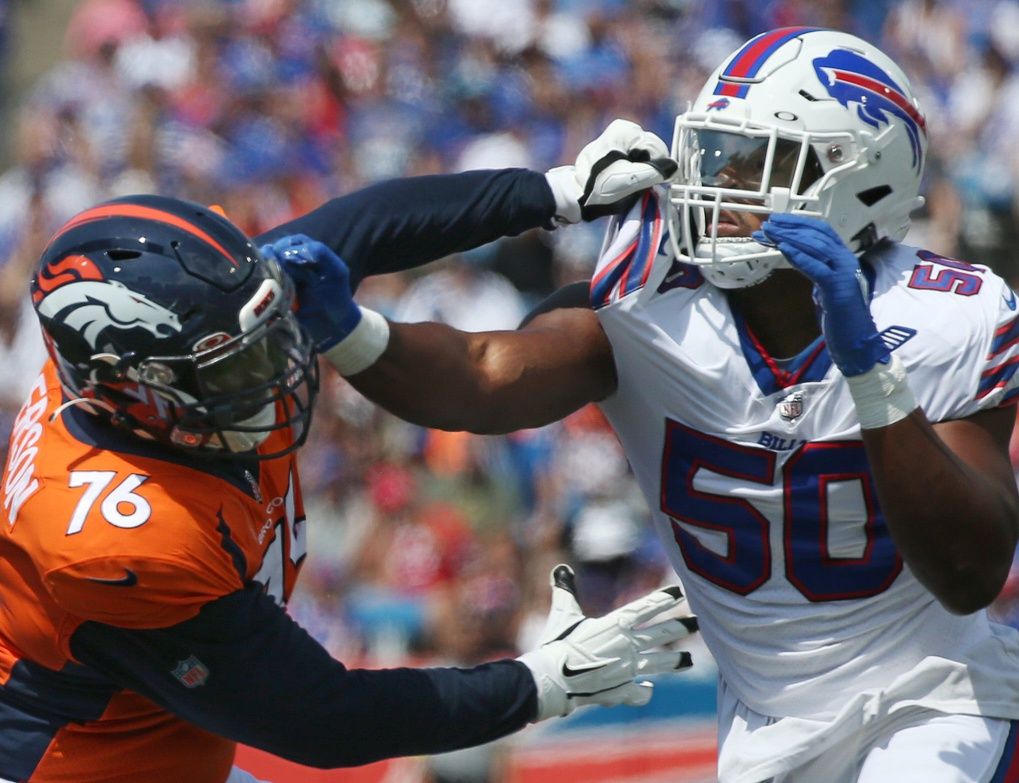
<point x="86" y="401"/>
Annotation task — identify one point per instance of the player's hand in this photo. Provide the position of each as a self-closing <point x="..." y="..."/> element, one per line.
<point x="582" y="660"/>
<point x="840" y="289"/>
<point x="325" y="304"/>
<point x="609" y="172"/>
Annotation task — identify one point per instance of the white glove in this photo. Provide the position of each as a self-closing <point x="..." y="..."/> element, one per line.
<point x="583" y="661"/>
<point x="622" y="162"/>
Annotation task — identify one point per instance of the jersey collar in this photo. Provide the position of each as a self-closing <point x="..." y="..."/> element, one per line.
<point x="809" y="365"/>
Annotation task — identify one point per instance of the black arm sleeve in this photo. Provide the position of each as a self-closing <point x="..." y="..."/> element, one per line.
<point x="570" y="295"/>
<point x="271" y="686"/>
<point x="404" y="223"/>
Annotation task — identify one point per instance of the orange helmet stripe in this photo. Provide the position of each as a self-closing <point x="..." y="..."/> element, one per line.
<point x="145" y="213"/>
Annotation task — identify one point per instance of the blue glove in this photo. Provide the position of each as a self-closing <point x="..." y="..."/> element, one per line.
<point x="813" y="247"/>
<point x="325" y="304"/>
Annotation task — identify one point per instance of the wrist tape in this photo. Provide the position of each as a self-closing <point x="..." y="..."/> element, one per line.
<point x="360" y="349"/>
<point x="567" y="192"/>
<point x="882" y="394"/>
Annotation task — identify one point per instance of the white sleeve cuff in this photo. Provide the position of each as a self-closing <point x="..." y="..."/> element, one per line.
<point x="566" y="191"/>
<point x="360" y="349"/>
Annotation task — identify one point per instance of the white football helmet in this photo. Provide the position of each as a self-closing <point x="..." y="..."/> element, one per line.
<point x="796" y="120"/>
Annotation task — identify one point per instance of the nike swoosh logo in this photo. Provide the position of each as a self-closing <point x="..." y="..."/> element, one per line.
<point x="568" y="671"/>
<point x="1010" y="299"/>
<point x="129" y="579"/>
<point x="673" y="275"/>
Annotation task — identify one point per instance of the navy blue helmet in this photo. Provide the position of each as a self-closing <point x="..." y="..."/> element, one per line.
<point x="161" y="315"/>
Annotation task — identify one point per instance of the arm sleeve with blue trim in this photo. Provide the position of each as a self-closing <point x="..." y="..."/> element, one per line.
<point x="271" y="686"/>
<point x="404" y="223"/>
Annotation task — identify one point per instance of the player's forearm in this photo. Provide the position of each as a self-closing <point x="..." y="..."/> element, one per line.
<point x="494" y="382"/>
<point x="954" y="524"/>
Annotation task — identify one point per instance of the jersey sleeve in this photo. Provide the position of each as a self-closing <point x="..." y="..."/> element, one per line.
<point x="243" y="669"/>
<point x="964" y="356"/>
<point x="630" y="250"/>
<point x="404" y="223"/>
<point x="137" y="591"/>
<point x="179" y="556"/>
<point x="998" y="382"/>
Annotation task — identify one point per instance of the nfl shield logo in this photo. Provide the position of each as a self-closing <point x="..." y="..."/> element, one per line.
<point x="191" y="672"/>
<point x="791" y="408"/>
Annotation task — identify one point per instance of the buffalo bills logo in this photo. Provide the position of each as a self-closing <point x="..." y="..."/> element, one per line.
<point x="90" y="307"/>
<point x="718" y="103"/>
<point x="851" y="78"/>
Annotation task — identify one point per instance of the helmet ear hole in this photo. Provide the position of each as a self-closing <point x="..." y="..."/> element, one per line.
<point x="872" y="196"/>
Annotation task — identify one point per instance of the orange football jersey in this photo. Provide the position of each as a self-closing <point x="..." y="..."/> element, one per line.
<point x="100" y="525"/>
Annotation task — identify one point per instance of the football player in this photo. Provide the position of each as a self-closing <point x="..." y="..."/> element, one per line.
<point x="153" y="526"/>
<point x="818" y="416"/>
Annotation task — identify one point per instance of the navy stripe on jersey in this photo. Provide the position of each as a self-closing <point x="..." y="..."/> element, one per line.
<point x="629" y="270"/>
<point x="1008" y="766"/>
<point x="997" y="377"/>
<point x="1002" y="363"/>
<point x="236" y="553"/>
<point x="1007" y="336"/>
<point x="36" y="702"/>
<point x="24" y="737"/>
<point x="606" y="280"/>
<point x="647" y="247"/>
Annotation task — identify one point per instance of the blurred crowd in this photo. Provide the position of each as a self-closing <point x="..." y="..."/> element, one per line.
<point x="425" y="543"/>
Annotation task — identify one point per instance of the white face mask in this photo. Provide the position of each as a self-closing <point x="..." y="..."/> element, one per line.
<point x="758" y="266"/>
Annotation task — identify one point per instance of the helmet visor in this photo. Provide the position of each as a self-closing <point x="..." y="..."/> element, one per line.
<point x="755" y="164"/>
<point x="243" y="390"/>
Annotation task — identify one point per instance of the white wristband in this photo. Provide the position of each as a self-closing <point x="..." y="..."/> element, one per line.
<point x="882" y="395"/>
<point x="566" y="191"/>
<point x="360" y="349"/>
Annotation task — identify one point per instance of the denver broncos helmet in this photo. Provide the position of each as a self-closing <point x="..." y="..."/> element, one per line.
<point x="798" y="119"/>
<point x="162" y="315"/>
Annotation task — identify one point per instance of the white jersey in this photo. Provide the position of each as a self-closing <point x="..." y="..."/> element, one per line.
<point x="760" y="488"/>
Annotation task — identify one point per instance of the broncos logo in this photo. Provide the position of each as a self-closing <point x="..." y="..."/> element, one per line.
<point x="851" y="78"/>
<point x="90" y="307"/>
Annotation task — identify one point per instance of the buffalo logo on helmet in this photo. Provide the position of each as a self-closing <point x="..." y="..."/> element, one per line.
<point x="852" y="78"/>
